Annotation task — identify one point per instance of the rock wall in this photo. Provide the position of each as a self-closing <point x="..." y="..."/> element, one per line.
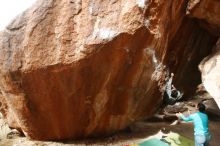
<point x="209" y="68"/>
<point x="73" y="68"/>
<point x="208" y="13"/>
<point x="186" y="50"/>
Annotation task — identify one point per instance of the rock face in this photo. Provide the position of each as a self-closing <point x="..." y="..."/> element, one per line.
<point x="73" y="68"/>
<point x="208" y="11"/>
<point x="210" y="69"/>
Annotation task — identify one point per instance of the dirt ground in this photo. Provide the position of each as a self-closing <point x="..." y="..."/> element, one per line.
<point x="139" y="130"/>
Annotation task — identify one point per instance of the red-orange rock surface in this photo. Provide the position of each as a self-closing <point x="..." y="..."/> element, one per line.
<point x="73" y="68"/>
<point x="208" y="12"/>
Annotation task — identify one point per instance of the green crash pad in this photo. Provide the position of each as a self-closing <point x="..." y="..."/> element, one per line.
<point x="171" y="139"/>
<point x="153" y="142"/>
<point x="177" y="140"/>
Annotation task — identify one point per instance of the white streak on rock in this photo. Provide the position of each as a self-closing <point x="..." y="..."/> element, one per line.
<point x="159" y="68"/>
<point x="127" y="50"/>
<point x="106" y="33"/>
<point x="90" y="10"/>
<point x="147" y="23"/>
<point x="141" y="3"/>
<point x="151" y="52"/>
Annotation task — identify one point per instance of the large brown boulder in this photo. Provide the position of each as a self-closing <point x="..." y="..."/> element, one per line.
<point x="73" y="68"/>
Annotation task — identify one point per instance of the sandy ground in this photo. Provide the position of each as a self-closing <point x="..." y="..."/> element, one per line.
<point x="139" y="130"/>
